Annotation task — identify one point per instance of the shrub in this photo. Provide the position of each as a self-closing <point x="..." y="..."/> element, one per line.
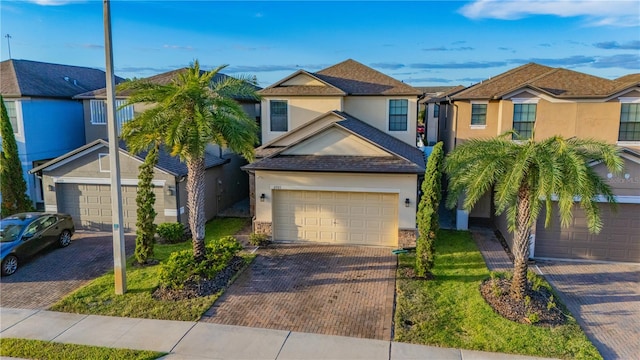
<point x="181" y="266"/>
<point x="171" y="232"/>
<point x="256" y="239"/>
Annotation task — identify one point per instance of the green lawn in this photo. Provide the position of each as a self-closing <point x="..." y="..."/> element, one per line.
<point x="98" y="297"/>
<point x="450" y="312"/>
<point x="37" y="349"/>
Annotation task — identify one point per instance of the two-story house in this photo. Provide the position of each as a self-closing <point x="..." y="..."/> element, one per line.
<point x="339" y="162"/>
<point x="47" y="122"/>
<point x="540" y="101"/>
<point x="430" y="106"/>
<point x="78" y="182"/>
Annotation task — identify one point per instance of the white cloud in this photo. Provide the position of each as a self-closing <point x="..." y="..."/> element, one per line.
<point x="54" y="2"/>
<point x="597" y="12"/>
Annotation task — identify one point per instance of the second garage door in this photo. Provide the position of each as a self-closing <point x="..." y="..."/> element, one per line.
<point x="336" y="217"/>
<point x="90" y="205"/>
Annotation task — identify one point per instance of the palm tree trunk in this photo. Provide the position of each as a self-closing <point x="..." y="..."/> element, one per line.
<point x="521" y="245"/>
<point x="195" y="203"/>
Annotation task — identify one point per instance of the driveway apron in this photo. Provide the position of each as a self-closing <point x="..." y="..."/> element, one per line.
<point x="45" y="279"/>
<point x="324" y="289"/>
<point x="605" y="299"/>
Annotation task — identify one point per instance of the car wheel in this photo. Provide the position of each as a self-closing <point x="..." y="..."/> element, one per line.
<point x="65" y="238"/>
<point x="9" y="265"/>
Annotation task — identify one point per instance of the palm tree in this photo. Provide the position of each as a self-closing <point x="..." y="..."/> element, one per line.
<point x="526" y="175"/>
<point x="188" y="114"/>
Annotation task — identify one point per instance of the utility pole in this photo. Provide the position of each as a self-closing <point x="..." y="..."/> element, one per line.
<point x="8" y="36"/>
<point x="119" y="257"/>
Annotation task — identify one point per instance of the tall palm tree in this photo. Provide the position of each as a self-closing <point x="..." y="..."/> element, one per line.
<point x="188" y="114"/>
<point x="526" y="175"/>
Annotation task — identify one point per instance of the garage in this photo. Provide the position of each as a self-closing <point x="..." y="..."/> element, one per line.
<point x="619" y="239"/>
<point x="90" y="205"/>
<point x="362" y="218"/>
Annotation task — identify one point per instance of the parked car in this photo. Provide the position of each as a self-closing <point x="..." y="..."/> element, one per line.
<point x="26" y="234"/>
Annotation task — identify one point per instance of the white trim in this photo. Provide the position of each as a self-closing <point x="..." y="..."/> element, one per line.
<point x="170" y="212"/>
<point x="269" y="116"/>
<point x="629" y="100"/>
<point x="628" y="143"/>
<point x="74" y="157"/>
<point x="478" y="127"/>
<point x="100" y="156"/>
<point x="388" y="120"/>
<point x="340" y="189"/>
<point x="525" y="100"/>
<point x="629" y="157"/>
<point x="51" y="208"/>
<point x="480" y="102"/>
<point x="100" y="181"/>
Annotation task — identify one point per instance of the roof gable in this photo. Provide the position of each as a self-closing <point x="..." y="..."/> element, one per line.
<point x="503" y="83"/>
<point x="335" y="141"/>
<point x="39" y="79"/>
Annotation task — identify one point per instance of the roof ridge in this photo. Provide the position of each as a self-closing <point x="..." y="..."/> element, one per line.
<point x="493" y="79"/>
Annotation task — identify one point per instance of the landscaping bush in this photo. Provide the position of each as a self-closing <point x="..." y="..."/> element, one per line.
<point x="181" y="266"/>
<point x="171" y="233"/>
<point x="256" y="239"/>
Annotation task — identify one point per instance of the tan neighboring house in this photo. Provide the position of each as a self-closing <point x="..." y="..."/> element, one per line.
<point x="339" y="162"/>
<point x="78" y="182"/>
<point x="542" y="101"/>
<point x="430" y="104"/>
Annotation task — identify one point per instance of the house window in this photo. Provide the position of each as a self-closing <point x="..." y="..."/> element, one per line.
<point x="278" y="115"/>
<point x="13" y="115"/>
<point x="629" y="122"/>
<point x="436" y="111"/>
<point x="99" y="112"/>
<point x="398" y="110"/>
<point x="524" y="117"/>
<point x="478" y="114"/>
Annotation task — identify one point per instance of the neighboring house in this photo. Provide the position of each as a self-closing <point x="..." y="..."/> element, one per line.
<point x="430" y="104"/>
<point x="339" y="162"/>
<point x="78" y="182"/>
<point x="46" y="120"/>
<point x="542" y="101"/>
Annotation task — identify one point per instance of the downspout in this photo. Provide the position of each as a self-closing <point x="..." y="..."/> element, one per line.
<point x="454" y="124"/>
<point x="178" y="180"/>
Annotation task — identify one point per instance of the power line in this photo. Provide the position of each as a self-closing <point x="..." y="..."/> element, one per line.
<point x="8" y="36"/>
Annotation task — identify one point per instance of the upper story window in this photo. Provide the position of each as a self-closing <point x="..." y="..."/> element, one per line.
<point x="436" y="111"/>
<point x="629" y="122"/>
<point x="99" y="112"/>
<point x="13" y="115"/>
<point x="478" y="114"/>
<point x="398" y="114"/>
<point x="278" y="115"/>
<point x="524" y="118"/>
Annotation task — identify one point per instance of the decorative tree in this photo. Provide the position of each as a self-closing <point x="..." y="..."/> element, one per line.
<point x="146" y="214"/>
<point x="187" y="115"/>
<point x="428" y="224"/>
<point x="12" y="184"/>
<point x="526" y="175"/>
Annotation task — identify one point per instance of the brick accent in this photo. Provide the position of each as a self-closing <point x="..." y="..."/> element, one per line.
<point x="260" y="227"/>
<point x="407" y="237"/>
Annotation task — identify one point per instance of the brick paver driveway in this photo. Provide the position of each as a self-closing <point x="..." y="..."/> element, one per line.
<point x="335" y="290"/>
<point x="605" y="299"/>
<point x="45" y="279"/>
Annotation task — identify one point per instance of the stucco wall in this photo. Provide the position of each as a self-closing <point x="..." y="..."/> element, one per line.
<point x="405" y="185"/>
<point x="374" y="110"/>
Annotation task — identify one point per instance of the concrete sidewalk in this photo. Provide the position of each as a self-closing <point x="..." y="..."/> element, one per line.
<point x="196" y="340"/>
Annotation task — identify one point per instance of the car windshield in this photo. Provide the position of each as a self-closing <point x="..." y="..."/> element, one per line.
<point x="10" y="232"/>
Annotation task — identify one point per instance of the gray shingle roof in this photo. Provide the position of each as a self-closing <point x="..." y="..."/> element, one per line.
<point x="160" y="79"/>
<point x="166" y="162"/>
<point x="406" y="159"/>
<point x="350" y="76"/>
<point x="39" y="79"/>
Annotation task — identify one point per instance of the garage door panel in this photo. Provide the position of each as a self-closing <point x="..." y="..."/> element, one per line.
<point x="619" y="239"/>
<point x="336" y="217"/>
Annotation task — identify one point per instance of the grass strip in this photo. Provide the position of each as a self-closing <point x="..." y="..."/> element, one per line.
<point x="38" y="349"/>
<point x="450" y="312"/>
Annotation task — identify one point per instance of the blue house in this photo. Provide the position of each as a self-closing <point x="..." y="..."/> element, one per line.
<point x="47" y="121"/>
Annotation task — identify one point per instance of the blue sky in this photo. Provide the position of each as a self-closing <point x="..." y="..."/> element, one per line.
<point x="423" y="43"/>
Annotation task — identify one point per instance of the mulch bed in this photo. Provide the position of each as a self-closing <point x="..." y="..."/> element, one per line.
<point x="196" y="287"/>
<point x="534" y="311"/>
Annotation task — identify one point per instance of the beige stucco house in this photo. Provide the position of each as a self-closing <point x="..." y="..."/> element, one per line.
<point x="339" y="162"/>
<point x="542" y="101"/>
<point x="78" y="182"/>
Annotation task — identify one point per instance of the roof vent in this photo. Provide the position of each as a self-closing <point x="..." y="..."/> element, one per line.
<point x="75" y="82"/>
<point x="66" y="78"/>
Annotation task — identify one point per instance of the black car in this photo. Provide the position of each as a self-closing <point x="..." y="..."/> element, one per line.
<point x="26" y="234"/>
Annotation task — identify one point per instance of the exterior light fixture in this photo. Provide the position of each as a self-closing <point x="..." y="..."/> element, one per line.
<point x="171" y="190"/>
<point x="262" y="197"/>
<point x="52" y="188"/>
<point x="407" y="202"/>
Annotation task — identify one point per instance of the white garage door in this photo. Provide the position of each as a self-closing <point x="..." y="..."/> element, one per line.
<point x="90" y="205"/>
<point x="336" y="217"/>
